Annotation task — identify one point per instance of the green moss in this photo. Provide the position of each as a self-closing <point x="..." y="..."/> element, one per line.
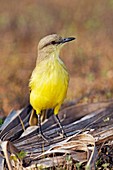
<point x="1" y="121"/>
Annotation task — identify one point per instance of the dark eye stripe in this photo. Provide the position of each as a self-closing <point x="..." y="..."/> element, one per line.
<point x="53" y="42"/>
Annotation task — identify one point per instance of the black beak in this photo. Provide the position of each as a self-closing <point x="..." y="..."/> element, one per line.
<point x="67" y="39"/>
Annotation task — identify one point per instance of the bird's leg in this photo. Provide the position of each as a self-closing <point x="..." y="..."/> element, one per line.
<point x="61" y="127"/>
<point x="40" y="129"/>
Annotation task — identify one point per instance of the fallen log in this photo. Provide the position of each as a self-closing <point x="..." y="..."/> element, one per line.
<point x="87" y="126"/>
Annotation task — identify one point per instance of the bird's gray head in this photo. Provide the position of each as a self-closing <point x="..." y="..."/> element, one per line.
<point x="53" y="40"/>
<point x="52" y="44"/>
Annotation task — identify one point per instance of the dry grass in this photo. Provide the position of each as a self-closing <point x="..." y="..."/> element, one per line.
<point x="88" y="59"/>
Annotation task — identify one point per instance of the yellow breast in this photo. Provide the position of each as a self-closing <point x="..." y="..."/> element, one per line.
<point x="48" y="84"/>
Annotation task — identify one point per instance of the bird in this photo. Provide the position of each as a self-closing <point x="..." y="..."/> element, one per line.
<point x="49" y="80"/>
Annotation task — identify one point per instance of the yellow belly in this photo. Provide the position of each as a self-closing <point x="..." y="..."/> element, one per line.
<point x="48" y="86"/>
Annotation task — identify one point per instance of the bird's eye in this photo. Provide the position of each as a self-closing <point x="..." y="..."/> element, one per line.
<point x="53" y="42"/>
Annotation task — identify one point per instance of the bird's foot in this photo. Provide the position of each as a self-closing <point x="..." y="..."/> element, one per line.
<point x="43" y="137"/>
<point x="62" y="132"/>
<point x="40" y="132"/>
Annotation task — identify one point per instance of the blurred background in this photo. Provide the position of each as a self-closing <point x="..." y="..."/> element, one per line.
<point x="89" y="59"/>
